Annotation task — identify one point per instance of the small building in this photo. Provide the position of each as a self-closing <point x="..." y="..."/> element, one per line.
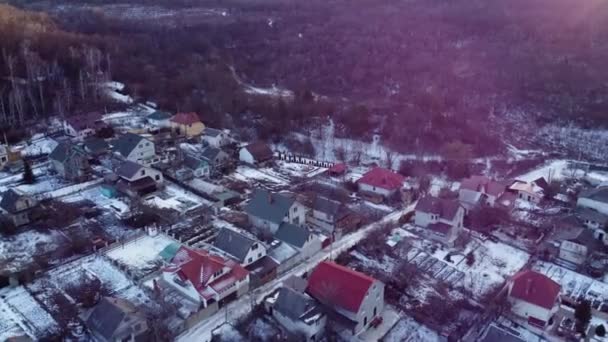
<point x="534" y="297"/>
<point x="285" y="256"/>
<point x="70" y="162"/>
<point x="188" y="124"/>
<point x="355" y="298"/>
<point x="215" y="137"/>
<point x="328" y="216"/>
<point x="200" y="167"/>
<point x="268" y="210"/>
<point x="116" y="319"/>
<point x="17" y="205"/>
<point x="577" y="249"/>
<point x="337" y="170"/>
<point x="83" y="125"/>
<point x="202" y="278"/>
<point x="216" y="159"/>
<point x="138" y="179"/>
<point x="159" y="119"/>
<point x="443" y="218"/>
<point x="96" y="146"/>
<point x="246" y="250"/>
<point x="3" y="156"/>
<point x="594" y="220"/>
<point x="256" y="154"/>
<point x="299" y="237"/>
<point x="136" y="148"/>
<point x="380" y="181"/>
<point x="527" y="191"/>
<point x="595" y="199"/>
<point x="480" y="190"/>
<point x="300" y="315"/>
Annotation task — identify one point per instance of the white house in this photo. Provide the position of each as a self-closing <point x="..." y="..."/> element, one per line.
<point x="442" y="217"/>
<point x="136" y="148"/>
<point x="299" y="237"/>
<point x="159" y="119"/>
<point x="255" y="154"/>
<point x="245" y="249"/>
<point x="381" y="182"/>
<point x="528" y="191"/>
<point x="17" y="205"/>
<point x="138" y="179"/>
<point x="353" y="295"/>
<point x="326" y="216"/>
<point x="83" y="125"/>
<point x="268" y="210"/>
<point x="596" y="199"/>
<point x="479" y="190"/>
<point x="300" y="315"/>
<point x="215" y="137"/>
<point x="534" y="297"/>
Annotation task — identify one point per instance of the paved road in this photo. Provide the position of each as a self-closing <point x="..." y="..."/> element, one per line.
<point x="239" y="308"/>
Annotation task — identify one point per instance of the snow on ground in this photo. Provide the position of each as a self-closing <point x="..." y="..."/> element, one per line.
<point x="228" y="333"/>
<point x="273" y="91"/>
<point x="18" y="306"/>
<point x="438" y="183"/>
<point x="408" y="330"/>
<point x="555" y="169"/>
<point x="38" y="146"/>
<point x="299" y="170"/>
<point x="140" y="253"/>
<point x="174" y="197"/>
<point x="44" y="183"/>
<point x="573" y="284"/>
<point x="520" y="154"/>
<point x="18" y="250"/>
<point x="261" y="329"/>
<point x="72" y="189"/>
<point x="118" y="86"/>
<point x="248" y="174"/>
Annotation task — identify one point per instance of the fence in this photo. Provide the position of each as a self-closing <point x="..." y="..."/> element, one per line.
<point x="293" y="158"/>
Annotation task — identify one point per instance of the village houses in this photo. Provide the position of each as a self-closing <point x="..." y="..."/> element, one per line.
<point x="136" y="148"/>
<point x="246" y="250"/>
<point x="267" y="210"/>
<point x="137" y="179"/>
<point x="17" y="206"/>
<point x="256" y="153"/>
<point x="187" y="124"/>
<point x="300" y="238"/>
<point x="533" y="297"/>
<point x="300" y="315"/>
<point x="443" y="218"/>
<point x="70" y="162"/>
<point x="480" y="190"/>
<point x="382" y="182"/>
<point x="159" y="119"/>
<point x="83" y="125"/>
<point x="117" y="319"/>
<point x="215" y="137"/>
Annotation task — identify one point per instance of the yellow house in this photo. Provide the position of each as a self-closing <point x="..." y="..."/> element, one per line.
<point x="187" y="124"/>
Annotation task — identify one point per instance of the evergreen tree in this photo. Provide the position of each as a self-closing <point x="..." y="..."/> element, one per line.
<point x="600" y="330"/>
<point x="28" y="174"/>
<point x="582" y="314"/>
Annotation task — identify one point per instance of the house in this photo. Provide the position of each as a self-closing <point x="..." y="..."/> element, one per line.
<point x="202" y="278"/>
<point x="496" y="333"/>
<point x="576" y="249"/>
<point x="299" y="237"/>
<point x="70" y="162"/>
<point x="594" y="220"/>
<point x="17" y="206"/>
<point x="443" y="218"/>
<point x="83" y="125"/>
<point x="137" y="178"/>
<point x="215" y="137"/>
<point x="300" y="315"/>
<point x="480" y="190"/>
<point x="216" y="159"/>
<point x="199" y="166"/>
<point x="527" y="191"/>
<point x="188" y="124"/>
<point x="595" y="199"/>
<point x="268" y="210"/>
<point x="285" y="256"/>
<point x="255" y="154"/>
<point x="337" y="170"/>
<point x="95" y="146"/>
<point x="159" y="119"/>
<point x="244" y="249"/>
<point x="534" y="297"/>
<point x="116" y="319"/>
<point x="326" y="216"/>
<point x="355" y="298"/>
<point x="3" y="156"/>
<point x="136" y="148"/>
<point x="380" y="181"/>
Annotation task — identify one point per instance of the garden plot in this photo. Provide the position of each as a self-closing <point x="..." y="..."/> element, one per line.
<point x="18" y="251"/>
<point x="19" y="307"/>
<point x="139" y="255"/>
<point x="408" y="330"/>
<point x="299" y="170"/>
<point x="266" y="178"/>
<point x="574" y="285"/>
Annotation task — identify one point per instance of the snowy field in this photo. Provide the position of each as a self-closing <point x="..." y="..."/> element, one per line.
<point x="19" y="309"/>
<point x="176" y="198"/>
<point x="19" y="250"/>
<point x="408" y="330"/>
<point x="574" y="284"/>
<point x="260" y="177"/>
<point x="140" y="254"/>
<point x="555" y="169"/>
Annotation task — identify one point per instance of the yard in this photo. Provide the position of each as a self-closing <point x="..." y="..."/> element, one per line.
<point x="141" y="255"/>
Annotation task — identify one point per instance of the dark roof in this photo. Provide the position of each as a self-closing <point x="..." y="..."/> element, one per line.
<point x="233" y="243"/>
<point x="83" y="121"/>
<point x="479" y="183"/>
<point x="444" y="208"/>
<point x="440" y="228"/>
<point x="105" y="318"/>
<point x="292" y="234"/>
<point x="210" y="153"/>
<point x="586" y="238"/>
<point x="535" y="288"/>
<point x="260" y="151"/>
<point x="127" y="143"/>
<point x="541" y="182"/>
<point x="64" y="151"/>
<point x="96" y="145"/>
<point x="159" y="115"/>
<point x="212" y="132"/>
<point x="268" y="206"/>
<point x="597" y="194"/>
<point x="591" y="215"/>
<point x="128" y="169"/>
<point x="193" y="162"/>
<point x="295" y="305"/>
<point x="498" y="334"/>
<point x="326" y="205"/>
<point x="9" y="200"/>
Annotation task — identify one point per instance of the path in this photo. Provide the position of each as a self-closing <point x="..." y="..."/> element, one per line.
<point x="242" y="306"/>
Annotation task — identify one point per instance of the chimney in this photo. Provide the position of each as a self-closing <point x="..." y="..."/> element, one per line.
<point x="528" y="286"/>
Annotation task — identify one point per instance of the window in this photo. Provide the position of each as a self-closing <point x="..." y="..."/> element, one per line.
<point x="295" y="209"/>
<point x="143" y="172"/>
<point x="3" y="159"/>
<point x="249" y="260"/>
<point x="254" y="246"/>
<point x="365" y="321"/>
<point x="374" y="188"/>
<point x="147" y="144"/>
<point x="157" y="177"/>
<point x="375" y="311"/>
<point x="260" y="255"/>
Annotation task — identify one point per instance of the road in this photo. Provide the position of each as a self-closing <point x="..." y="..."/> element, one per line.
<point x="242" y="306"/>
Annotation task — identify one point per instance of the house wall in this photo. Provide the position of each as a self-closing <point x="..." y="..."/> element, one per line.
<point x="288" y="264"/>
<point x="310" y="248"/>
<point x="58" y="167"/>
<point x="313" y="332"/>
<point x="524" y="309"/>
<point x="264" y="224"/>
<point x="297" y="214"/>
<point x="526" y="196"/>
<point x="144" y="151"/>
<point x="148" y="172"/>
<point x="423" y="219"/>
<point x="592" y="204"/>
<point x="573" y="252"/>
<point x="254" y="255"/>
<point x="373" y="300"/>
<point x="3" y="159"/>
<point x="246" y="157"/>
<point x="380" y="191"/>
<point x="320" y="221"/>
<point x="217" y="141"/>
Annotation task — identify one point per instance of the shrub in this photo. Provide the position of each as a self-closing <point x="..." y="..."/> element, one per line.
<point x="600" y="330"/>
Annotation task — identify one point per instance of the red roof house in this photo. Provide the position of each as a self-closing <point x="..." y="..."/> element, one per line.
<point x="380" y="178"/>
<point x="210" y="275"/>
<point x="484" y="185"/>
<point x="185" y="118"/>
<point x="534" y="296"/>
<point x="337" y="169"/>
